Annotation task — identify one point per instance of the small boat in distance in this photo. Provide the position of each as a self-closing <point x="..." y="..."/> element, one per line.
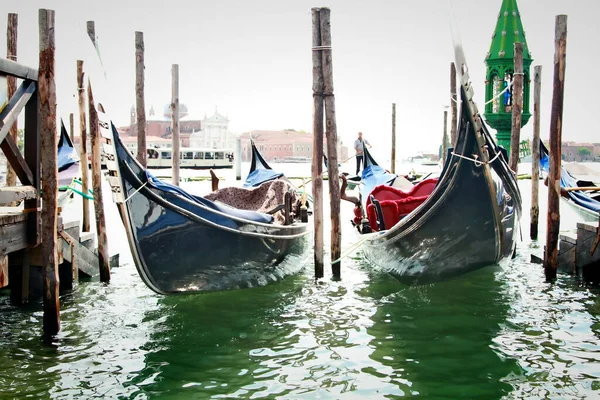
<point x="232" y="238"/>
<point x="196" y="158"/>
<point x="443" y="227"/>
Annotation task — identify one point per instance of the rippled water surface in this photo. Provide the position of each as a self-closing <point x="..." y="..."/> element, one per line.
<point x="501" y="332"/>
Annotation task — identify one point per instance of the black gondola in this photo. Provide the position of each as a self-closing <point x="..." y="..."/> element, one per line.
<point x="586" y="200"/>
<point x="186" y="243"/>
<point x="447" y="226"/>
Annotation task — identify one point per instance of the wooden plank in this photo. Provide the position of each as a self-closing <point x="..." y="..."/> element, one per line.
<point x="16" y="160"/>
<point x="86" y="262"/>
<point x="586" y="236"/>
<point x="3" y="270"/>
<point x="16" y="104"/>
<point x="12" y="68"/>
<point x="32" y="158"/>
<point x="16" y="193"/>
<point x="83" y="153"/>
<point x="445" y="137"/>
<point x="103" y="259"/>
<point x="317" y="154"/>
<point x="517" y="108"/>
<point x="535" y="153"/>
<point x="72" y="127"/>
<point x="11" y="83"/>
<point x="47" y="107"/>
<point x="13" y="236"/>
<point x="553" y="221"/>
<point x="175" y="123"/>
<point x="393" y="159"/>
<point x="140" y="106"/>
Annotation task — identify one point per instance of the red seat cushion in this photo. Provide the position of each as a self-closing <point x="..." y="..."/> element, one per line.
<point x="396" y="203"/>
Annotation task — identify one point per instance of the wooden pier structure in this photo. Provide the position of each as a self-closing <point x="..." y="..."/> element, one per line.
<point x="40" y="252"/>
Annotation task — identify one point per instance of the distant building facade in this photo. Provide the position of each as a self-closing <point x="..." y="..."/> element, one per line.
<point x="210" y="132"/>
<point x="284" y="146"/>
<point x="214" y="133"/>
<point x="579" y="152"/>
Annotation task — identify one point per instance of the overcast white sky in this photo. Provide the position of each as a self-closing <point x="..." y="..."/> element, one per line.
<point x="252" y="59"/>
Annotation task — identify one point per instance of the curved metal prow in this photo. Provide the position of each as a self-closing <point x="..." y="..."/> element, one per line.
<point x="368" y="160"/>
<point x="258" y="162"/>
<point x="64" y="136"/>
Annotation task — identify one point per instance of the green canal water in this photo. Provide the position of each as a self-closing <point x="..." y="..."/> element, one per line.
<point x="501" y="332"/>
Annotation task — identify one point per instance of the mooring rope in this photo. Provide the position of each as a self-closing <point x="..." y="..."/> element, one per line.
<point x="351" y="249"/>
<point x="476" y="161"/>
<point x="138" y="189"/>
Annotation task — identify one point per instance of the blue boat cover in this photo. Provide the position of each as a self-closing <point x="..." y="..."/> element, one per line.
<point x="567" y="180"/>
<point x="234" y="212"/>
<point x="259" y="176"/>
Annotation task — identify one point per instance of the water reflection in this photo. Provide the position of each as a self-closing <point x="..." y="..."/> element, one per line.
<point x="552" y="332"/>
<point x="437" y="340"/>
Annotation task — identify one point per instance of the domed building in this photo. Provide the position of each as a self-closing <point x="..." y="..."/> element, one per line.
<point x="160" y="125"/>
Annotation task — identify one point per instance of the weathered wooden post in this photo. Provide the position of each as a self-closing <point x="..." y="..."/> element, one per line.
<point x="83" y="153"/>
<point x="393" y="161"/>
<point x="332" y="143"/>
<point x="11" y="82"/>
<point x="517" y="109"/>
<point x="558" y="87"/>
<point x="71" y="128"/>
<point x="445" y="137"/>
<point x="103" y="259"/>
<point x="238" y="158"/>
<point x="140" y="106"/>
<point x="453" y="106"/>
<point x="317" y="154"/>
<point x="47" y="112"/>
<point x="175" y="122"/>
<point x="535" y="153"/>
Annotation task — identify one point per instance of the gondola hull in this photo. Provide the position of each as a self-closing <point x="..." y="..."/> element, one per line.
<point x="189" y="244"/>
<point x="467" y="219"/>
<point x="465" y="225"/>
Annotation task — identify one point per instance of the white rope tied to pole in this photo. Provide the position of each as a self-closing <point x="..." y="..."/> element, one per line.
<point x="476" y="161"/>
<point x="321" y="48"/>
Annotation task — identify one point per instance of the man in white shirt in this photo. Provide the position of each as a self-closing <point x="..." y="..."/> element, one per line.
<point x="359" y="147"/>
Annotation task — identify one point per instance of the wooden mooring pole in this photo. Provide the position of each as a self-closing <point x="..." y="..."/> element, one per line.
<point x="47" y="113"/>
<point x="535" y="153"/>
<point x="558" y="87"/>
<point x="517" y="109"/>
<point x="103" y="259"/>
<point x="238" y="158"/>
<point x="445" y="137"/>
<point x="453" y="106"/>
<point x="175" y="122"/>
<point x="83" y="153"/>
<point x="71" y="128"/>
<point x="140" y="106"/>
<point x="317" y="155"/>
<point x="393" y="160"/>
<point x="332" y="144"/>
<point x="11" y="82"/>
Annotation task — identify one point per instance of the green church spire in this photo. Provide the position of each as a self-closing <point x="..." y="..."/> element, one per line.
<point x="500" y="70"/>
